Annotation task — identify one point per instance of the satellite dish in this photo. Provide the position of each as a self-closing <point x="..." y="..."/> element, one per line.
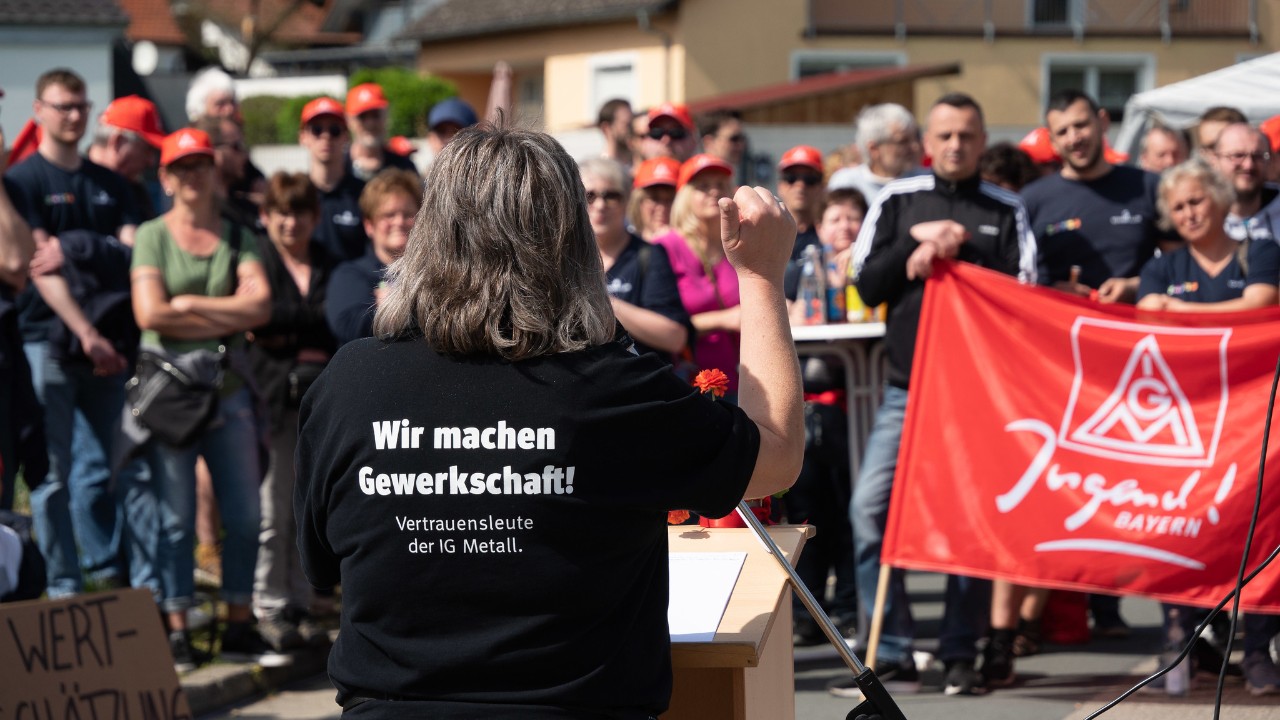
<point x="145" y="57"/>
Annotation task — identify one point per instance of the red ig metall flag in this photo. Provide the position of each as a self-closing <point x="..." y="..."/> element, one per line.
<point x="1053" y="441"/>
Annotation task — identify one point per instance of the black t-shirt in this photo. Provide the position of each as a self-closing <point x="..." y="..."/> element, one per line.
<point x="1178" y="275"/>
<point x="341" y="227"/>
<point x="56" y="200"/>
<point x="652" y="287"/>
<point x="516" y="552"/>
<point x="389" y="160"/>
<point x="1106" y="226"/>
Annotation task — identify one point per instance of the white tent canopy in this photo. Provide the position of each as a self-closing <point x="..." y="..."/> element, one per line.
<point x="1253" y="87"/>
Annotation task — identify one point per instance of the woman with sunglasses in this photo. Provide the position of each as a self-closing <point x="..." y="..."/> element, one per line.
<point x="707" y="282"/>
<point x="198" y="285"/>
<point x="649" y="208"/>
<point x="670" y="133"/>
<point x="642" y="288"/>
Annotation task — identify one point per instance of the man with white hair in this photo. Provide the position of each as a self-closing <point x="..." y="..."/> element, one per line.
<point x="889" y="140"/>
<point x="1241" y="155"/>
<point x="126" y="140"/>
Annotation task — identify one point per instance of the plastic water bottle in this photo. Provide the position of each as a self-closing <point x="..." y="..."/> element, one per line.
<point x="1177" y="682"/>
<point x="813" y="291"/>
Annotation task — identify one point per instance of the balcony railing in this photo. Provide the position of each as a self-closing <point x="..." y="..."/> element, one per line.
<point x="1079" y="18"/>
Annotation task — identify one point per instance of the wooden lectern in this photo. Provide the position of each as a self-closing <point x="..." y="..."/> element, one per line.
<point x="748" y="670"/>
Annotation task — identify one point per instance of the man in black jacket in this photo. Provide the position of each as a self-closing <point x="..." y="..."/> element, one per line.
<point x="950" y="213"/>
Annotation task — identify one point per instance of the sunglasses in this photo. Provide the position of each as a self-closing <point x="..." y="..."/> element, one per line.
<point x="806" y="178"/>
<point x="319" y="130"/>
<point x="658" y="133"/>
<point x="610" y="197"/>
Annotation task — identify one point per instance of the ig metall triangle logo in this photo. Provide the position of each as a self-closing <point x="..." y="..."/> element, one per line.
<point x="1140" y="411"/>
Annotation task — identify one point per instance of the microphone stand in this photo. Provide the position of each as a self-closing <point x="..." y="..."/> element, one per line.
<point x="877" y="703"/>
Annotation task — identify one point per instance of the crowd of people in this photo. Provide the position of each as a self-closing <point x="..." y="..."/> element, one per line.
<point x="260" y="280"/>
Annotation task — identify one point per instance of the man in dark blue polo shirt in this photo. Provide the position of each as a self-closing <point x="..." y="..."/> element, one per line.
<point x="1093" y="215"/>
<point x="324" y="135"/>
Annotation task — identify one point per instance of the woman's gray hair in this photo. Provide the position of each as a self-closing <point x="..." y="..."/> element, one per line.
<point x="1215" y="186"/>
<point x="501" y="260"/>
<point x="207" y="81"/>
<point x="606" y="169"/>
<point x="877" y="123"/>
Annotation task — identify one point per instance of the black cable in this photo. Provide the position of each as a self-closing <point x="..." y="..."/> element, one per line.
<point x="1233" y="596"/>
<point x="1248" y="544"/>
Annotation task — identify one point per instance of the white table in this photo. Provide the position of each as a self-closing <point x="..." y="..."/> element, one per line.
<point x="860" y="349"/>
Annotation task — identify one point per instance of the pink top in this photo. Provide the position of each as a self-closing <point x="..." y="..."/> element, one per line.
<point x="718" y="349"/>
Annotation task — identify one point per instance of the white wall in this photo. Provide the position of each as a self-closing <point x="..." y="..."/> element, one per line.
<point x="26" y="53"/>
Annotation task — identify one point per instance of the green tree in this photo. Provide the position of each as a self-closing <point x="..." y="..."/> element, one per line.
<point x="411" y="96"/>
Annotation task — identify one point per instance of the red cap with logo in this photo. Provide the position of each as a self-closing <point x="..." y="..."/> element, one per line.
<point x="657" y="171"/>
<point x="365" y="97"/>
<point x="675" y="111"/>
<point x="700" y="163"/>
<point x="135" y="114"/>
<point x="321" y="106"/>
<point x="183" y="144"/>
<point x="804" y="155"/>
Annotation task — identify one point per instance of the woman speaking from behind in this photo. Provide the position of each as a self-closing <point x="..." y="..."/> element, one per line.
<point x="480" y="476"/>
<point x="1211" y="272"/>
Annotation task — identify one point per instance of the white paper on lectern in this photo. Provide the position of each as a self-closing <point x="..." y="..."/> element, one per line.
<point x="701" y="584"/>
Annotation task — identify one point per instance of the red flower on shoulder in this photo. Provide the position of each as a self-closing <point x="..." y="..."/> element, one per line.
<point x="712" y="381"/>
<point x="677" y="517"/>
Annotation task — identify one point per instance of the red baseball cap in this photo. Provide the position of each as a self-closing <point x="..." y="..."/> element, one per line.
<point x="805" y="155"/>
<point x="700" y="163"/>
<point x="185" y="143"/>
<point x="135" y="114"/>
<point x="675" y="111"/>
<point x="1039" y="146"/>
<point x="1271" y="128"/>
<point x="363" y="98"/>
<point x="657" y="171"/>
<point x="401" y="145"/>
<point x="323" y="105"/>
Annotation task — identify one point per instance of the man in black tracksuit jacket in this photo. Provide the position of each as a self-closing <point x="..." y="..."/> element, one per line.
<point x="949" y="213"/>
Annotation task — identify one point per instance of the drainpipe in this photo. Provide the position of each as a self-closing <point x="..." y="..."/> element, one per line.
<point x="642" y="21"/>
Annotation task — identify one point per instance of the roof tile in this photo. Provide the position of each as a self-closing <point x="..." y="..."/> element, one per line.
<point x="62" y="12"/>
<point x="453" y="19"/>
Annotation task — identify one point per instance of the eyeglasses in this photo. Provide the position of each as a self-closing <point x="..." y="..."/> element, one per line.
<point x="1239" y="157"/>
<point x="68" y="108"/>
<point x="806" y="178"/>
<point x="236" y="146"/>
<point x="610" y="197"/>
<point x="330" y="130"/>
<point x="676" y="133"/>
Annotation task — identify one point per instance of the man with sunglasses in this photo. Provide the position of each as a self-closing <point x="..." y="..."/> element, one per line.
<point x="670" y="133"/>
<point x="78" y="373"/>
<point x="800" y="187"/>
<point x="723" y="136"/>
<point x="324" y="135"/>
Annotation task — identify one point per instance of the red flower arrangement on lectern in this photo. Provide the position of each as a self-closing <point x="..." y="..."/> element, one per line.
<point x="712" y="381"/>
<point x="708" y="381"/>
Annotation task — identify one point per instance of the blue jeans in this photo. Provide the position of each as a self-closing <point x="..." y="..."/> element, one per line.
<point x="230" y="448"/>
<point x="965" y="613"/>
<point x="76" y="505"/>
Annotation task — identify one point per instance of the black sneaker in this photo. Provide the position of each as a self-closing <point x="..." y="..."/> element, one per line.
<point x="962" y="679"/>
<point x="241" y="643"/>
<point x="185" y="657"/>
<point x="313" y="633"/>
<point x="997" y="659"/>
<point x="280" y="632"/>
<point x="897" y="679"/>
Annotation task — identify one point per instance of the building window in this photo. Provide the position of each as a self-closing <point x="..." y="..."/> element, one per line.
<point x="530" y="90"/>
<point x="611" y="76"/>
<point x="805" y="63"/>
<point x="1052" y="13"/>
<point x="1110" y="81"/>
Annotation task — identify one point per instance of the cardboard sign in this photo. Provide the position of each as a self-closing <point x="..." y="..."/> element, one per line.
<point x="91" y="657"/>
